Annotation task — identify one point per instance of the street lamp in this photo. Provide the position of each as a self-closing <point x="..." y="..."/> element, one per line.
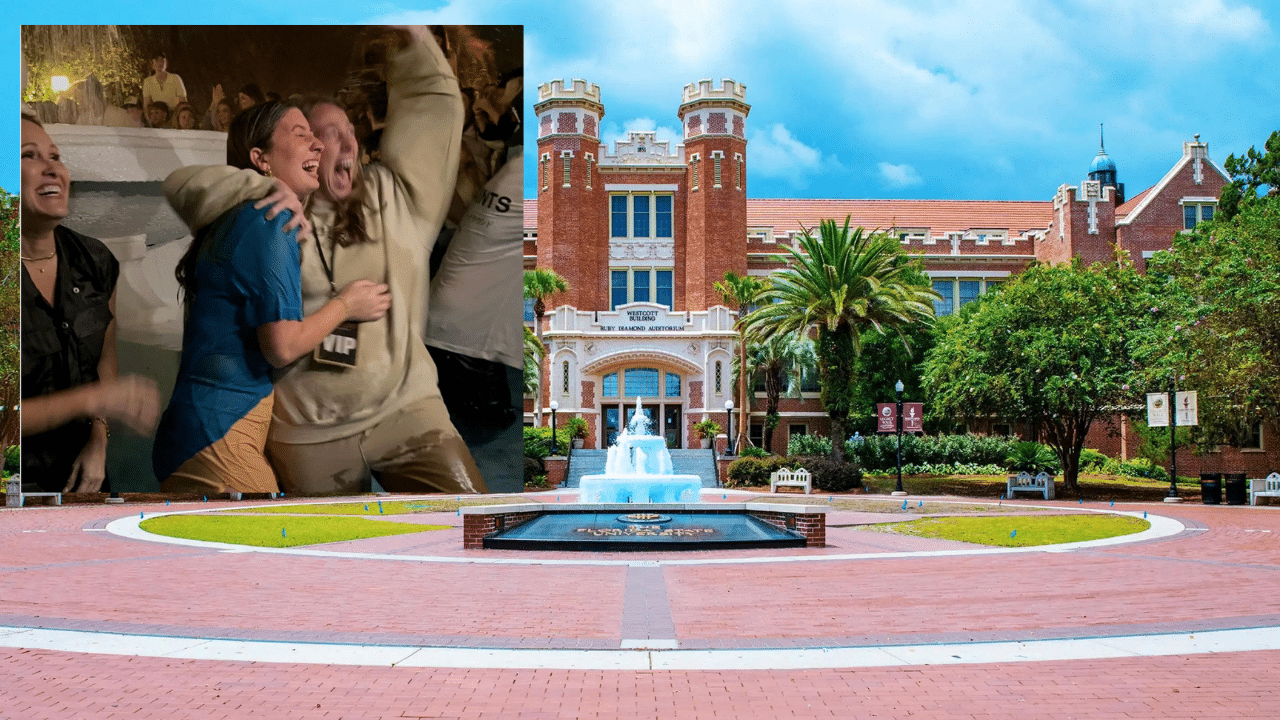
<point x="728" y="417"/>
<point x="898" y="489"/>
<point x="555" y="448"/>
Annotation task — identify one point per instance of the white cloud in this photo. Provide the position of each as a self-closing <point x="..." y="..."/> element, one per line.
<point x="774" y="153"/>
<point x="901" y="176"/>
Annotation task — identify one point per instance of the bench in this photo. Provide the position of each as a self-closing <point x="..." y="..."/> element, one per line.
<point x="1259" y="487"/>
<point x="791" y="478"/>
<point x="1023" y="482"/>
<point x="14" y="495"/>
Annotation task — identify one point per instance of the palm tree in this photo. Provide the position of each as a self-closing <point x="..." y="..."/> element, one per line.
<point x="540" y="284"/>
<point x="742" y="291"/>
<point x="781" y="360"/>
<point x="533" y="351"/>
<point x="842" y="281"/>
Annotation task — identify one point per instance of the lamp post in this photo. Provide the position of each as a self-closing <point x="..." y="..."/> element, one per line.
<point x="898" y="488"/>
<point x="728" y="418"/>
<point x="1173" y="444"/>
<point x="555" y="447"/>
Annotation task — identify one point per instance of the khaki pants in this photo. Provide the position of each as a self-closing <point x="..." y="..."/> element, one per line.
<point x="235" y="463"/>
<point x="415" y="449"/>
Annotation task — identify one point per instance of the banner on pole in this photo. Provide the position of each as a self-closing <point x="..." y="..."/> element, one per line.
<point x="1188" y="409"/>
<point x="912" y="417"/>
<point x="886" y="418"/>
<point x="1157" y="409"/>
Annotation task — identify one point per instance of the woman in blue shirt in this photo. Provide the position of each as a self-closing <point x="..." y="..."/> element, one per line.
<point x="242" y="289"/>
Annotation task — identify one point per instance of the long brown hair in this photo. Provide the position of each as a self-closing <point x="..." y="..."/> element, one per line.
<point x="250" y="129"/>
<point x="348" y="224"/>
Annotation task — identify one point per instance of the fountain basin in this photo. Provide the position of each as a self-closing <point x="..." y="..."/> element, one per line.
<point x="639" y="488"/>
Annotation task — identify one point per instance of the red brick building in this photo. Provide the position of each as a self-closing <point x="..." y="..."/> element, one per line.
<point x="642" y="230"/>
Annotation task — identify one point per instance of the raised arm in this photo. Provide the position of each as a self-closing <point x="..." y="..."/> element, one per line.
<point x="422" y="140"/>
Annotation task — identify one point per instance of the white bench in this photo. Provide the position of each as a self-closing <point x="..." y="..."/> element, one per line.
<point x="1023" y="482"/>
<point x="1259" y="487"/>
<point x="14" y="497"/>
<point x="791" y="478"/>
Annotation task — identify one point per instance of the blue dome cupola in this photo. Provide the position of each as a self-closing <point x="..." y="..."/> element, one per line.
<point x="1103" y="169"/>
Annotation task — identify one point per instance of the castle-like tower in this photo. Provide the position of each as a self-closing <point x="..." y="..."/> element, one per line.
<point x="715" y="150"/>
<point x="572" y="224"/>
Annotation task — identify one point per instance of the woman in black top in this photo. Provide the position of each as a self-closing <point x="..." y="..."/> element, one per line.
<point x="70" y="385"/>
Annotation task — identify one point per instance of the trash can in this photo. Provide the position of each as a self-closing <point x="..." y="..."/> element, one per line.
<point x="1211" y="488"/>
<point x="1236" y="488"/>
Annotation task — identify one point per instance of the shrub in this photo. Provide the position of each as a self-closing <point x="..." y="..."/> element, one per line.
<point x="808" y="445"/>
<point x="12" y="459"/>
<point x="1032" y="457"/>
<point x="537" y="442"/>
<point x="533" y="468"/>
<point x="753" y="451"/>
<point x="831" y="476"/>
<point x="1092" y="461"/>
<point x="754" y="472"/>
<point x="1136" y="468"/>
<point x="944" y="469"/>
<point x="879" y="452"/>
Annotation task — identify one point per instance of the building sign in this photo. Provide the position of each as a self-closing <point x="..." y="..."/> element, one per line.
<point x="1158" y="409"/>
<point x="642" y="320"/>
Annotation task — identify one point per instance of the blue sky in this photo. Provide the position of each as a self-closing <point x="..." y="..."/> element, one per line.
<point x="968" y="99"/>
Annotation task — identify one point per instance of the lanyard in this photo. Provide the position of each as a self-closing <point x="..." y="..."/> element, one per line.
<point x="328" y="269"/>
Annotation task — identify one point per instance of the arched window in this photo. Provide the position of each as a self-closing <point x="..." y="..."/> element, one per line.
<point x="565" y="377"/>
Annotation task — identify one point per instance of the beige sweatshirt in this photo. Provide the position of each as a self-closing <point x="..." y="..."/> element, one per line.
<point x="407" y="195"/>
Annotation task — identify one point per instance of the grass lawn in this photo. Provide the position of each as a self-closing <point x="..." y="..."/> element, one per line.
<point x="1019" y="531"/>
<point x="275" y="531"/>
<point x="387" y="507"/>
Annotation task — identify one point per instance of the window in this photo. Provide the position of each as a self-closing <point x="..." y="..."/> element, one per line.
<point x="618" y="291"/>
<point x="944" y="306"/>
<point x="640" y="216"/>
<point x="673" y="385"/>
<point x="694" y="162"/>
<point x="663" y="205"/>
<point x="545" y="160"/>
<point x="715" y="159"/>
<point x="719" y="377"/>
<point x="737" y="171"/>
<point x="1194" y="213"/>
<point x="641" y="285"/>
<point x="564" y="381"/>
<point x="567" y="157"/>
<point x="641" y="382"/>
<point x="528" y="310"/>
<point x="590" y="161"/>
<point x="618" y="216"/>
<point x="665" y="291"/>
<point x="756" y="434"/>
<point x="1253" y="440"/>
<point x="958" y="292"/>
<point x="797" y="430"/>
<point x="628" y="285"/>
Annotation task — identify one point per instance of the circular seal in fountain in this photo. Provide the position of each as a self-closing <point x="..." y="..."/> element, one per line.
<point x="644" y="518"/>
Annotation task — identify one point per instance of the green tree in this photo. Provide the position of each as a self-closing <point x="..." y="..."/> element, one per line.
<point x="1220" y="319"/>
<point x="1052" y="346"/>
<point x="741" y="291"/>
<point x="533" y="350"/>
<point x="10" y="338"/>
<point x="1250" y="172"/>
<point x="842" y="281"/>
<point x="780" y="361"/>
<point x="540" y="284"/>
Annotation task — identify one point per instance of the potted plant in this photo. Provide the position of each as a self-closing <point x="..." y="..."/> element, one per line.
<point x="576" y="428"/>
<point x="706" y="431"/>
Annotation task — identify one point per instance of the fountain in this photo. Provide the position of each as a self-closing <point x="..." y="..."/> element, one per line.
<point x="639" y="503"/>
<point x="638" y="470"/>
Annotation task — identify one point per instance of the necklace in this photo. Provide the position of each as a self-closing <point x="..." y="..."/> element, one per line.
<point x="50" y="256"/>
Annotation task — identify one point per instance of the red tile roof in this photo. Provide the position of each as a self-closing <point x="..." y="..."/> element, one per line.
<point x="939" y="216"/>
<point x="1132" y="203"/>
